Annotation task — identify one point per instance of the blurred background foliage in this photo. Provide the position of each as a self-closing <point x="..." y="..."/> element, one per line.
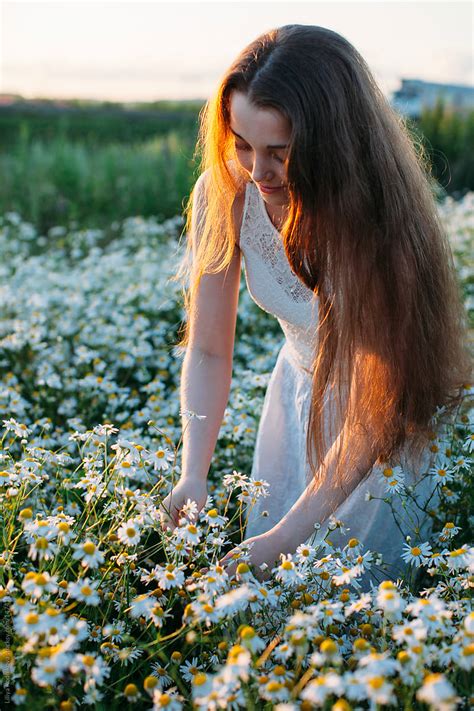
<point x="87" y="164"/>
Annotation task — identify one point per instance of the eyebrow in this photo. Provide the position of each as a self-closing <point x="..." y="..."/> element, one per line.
<point x="243" y="139"/>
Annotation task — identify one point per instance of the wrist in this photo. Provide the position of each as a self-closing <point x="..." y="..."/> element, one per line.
<point x="279" y="538"/>
<point x="194" y="477"/>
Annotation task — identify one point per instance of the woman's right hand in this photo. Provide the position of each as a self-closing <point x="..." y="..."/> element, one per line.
<point x="171" y="506"/>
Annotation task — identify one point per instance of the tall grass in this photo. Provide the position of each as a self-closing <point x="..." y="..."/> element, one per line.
<point x="60" y="182"/>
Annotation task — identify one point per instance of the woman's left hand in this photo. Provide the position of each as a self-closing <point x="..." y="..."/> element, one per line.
<point x="266" y="549"/>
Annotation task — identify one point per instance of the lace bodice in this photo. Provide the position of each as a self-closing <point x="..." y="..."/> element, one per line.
<point x="271" y="282"/>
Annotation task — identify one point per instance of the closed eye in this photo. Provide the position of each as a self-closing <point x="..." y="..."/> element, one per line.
<point x="247" y="148"/>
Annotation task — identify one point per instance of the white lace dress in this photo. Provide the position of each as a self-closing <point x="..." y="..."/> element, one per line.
<point x="280" y="450"/>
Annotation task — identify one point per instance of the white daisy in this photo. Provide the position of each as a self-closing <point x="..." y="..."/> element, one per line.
<point x="287" y="572"/>
<point x="448" y="532"/>
<point x="190" y="668"/>
<point x="94" y="667"/>
<point x="142" y="605"/>
<point x="88" y="553"/>
<point x="416" y="555"/>
<point x="390" y="601"/>
<point x="46" y="672"/>
<point x="188" y="533"/>
<point x="129" y="533"/>
<point x="457" y="558"/>
<point x="84" y="590"/>
<point x="317" y="690"/>
<point x="42" y="549"/>
<point x="438" y="693"/>
<point x="305" y="553"/>
<point x="18" y="428"/>
<point x="393" y="478"/>
<point x="346" y="576"/>
<point x="160" y="459"/>
<point x="169" y="576"/>
<point x="115" y="630"/>
<point x="379" y="690"/>
<point x="442" y="474"/>
<point x="37" y="584"/>
<point x="169" y="699"/>
<point x="409" y="631"/>
<point x="212" y="518"/>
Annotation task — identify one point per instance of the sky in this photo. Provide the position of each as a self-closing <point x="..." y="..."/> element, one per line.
<point x="145" y="51"/>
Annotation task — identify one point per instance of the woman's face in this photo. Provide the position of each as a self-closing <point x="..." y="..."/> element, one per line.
<point x="262" y="139"/>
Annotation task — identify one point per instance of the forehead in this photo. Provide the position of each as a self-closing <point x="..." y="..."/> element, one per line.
<point x="251" y="118"/>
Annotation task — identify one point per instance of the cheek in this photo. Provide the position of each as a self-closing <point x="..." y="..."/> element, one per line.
<point x="245" y="160"/>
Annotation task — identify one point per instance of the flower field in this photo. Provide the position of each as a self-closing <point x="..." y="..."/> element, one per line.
<point x="101" y="608"/>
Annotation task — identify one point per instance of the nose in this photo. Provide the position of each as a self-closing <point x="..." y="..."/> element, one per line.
<point x="261" y="172"/>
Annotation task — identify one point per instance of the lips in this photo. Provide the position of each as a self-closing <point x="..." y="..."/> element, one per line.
<point x="266" y="189"/>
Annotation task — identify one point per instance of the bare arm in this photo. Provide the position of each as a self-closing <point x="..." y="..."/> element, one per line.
<point x="207" y="366"/>
<point x="318" y="501"/>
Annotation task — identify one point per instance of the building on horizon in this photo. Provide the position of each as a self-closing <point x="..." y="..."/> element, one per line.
<point x="415" y="94"/>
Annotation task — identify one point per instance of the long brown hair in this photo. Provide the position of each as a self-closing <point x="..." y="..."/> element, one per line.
<point x="362" y="231"/>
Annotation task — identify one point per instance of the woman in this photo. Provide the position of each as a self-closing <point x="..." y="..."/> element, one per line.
<point x="310" y="175"/>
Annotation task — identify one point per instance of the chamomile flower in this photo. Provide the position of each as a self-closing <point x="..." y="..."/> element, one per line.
<point x="390" y="601"/>
<point x="46" y="672"/>
<point x="363" y="602"/>
<point x="469" y="624"/>
<point x="393" y="479"/>
<point x="212" y="518"/>
<point x="258" y="488"/>
<point x="305" y="553"/>
<point x="438" y="693"/>
<point x="29" y="622"/>
<point x="37" y="584"/>
<point x="346" y="576"/>
<point x="250" y="639"/>
<point x="160" y="459"/>
<point x="20" y="695"/>
<point x="129" y="533"/>
<point x="88" y="553"/>
<point x="164" y="679"/>
<point x="114" y="630"/>
<point x="189" y="669"/>
<point x="287" y="572"/>
<point x="448" y="532"/>
<point x="125" y="655"/>
<point x="169" y="576"/>
<point x="94" y="667"/>
<point x="317" y="690"/>
<point x="442" y="474"/>
<point x="458" y="558"/>
<point x="42" y="548"/>
<point x="233" y="601"/>
<point x="329" y="653"/>
<point x="416" y="555"/>
<point x="158" y="615"/>
<point x="237" y="663"/>
<point x="65" y="532"/>
<point x="84" y="590"/>
<point x="169" y="700"/>
<point x="378" y="689"/>
<point x="142" y="605"/>
<point x="19" y="429"/>
<point x="188" y="533"/>
<point x="409" y="632"/>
